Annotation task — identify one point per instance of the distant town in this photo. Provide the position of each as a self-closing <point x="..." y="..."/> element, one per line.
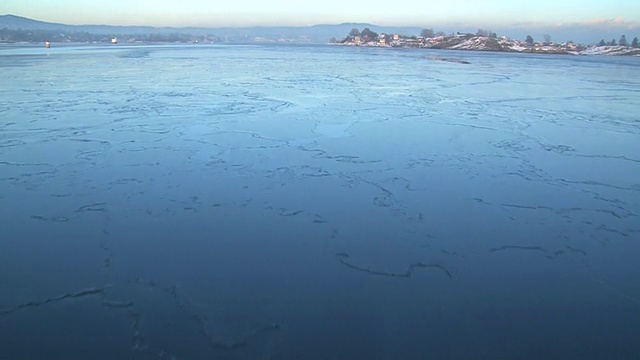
<point x="484" y="40"/>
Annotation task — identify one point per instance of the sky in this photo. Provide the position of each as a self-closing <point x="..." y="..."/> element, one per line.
<point x="471" y="13"/>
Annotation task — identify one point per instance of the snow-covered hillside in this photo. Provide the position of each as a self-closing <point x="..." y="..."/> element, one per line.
<point x="610" y="50"/>
<point x="487" y="43"/>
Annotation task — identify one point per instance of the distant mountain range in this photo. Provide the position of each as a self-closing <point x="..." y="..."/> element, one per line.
<point x="305" y="34"/>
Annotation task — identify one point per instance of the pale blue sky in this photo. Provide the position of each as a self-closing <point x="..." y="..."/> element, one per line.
<point x="478" y="13"/>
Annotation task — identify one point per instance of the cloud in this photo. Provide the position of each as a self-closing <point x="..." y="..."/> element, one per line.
<point x="613" y="23"/>
<point x="598" y="23"/>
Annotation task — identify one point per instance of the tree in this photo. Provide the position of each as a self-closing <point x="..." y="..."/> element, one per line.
<point x="354" y="32"/>
<point x="427" y="33"/>
<point x="547" y="38"/>
<point x="634" y="42"/>
<point x="612" y="42"/>
<point x="493" y="35"/>
<point x="623" y="41"/>
<point x="483" y="32"/>
<point x="602" y="43"/>
<point x="529" y="40"/>
<point x="366" y="32"/>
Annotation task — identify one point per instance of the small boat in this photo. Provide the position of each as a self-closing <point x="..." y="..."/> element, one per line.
<point x="114" y="40"/>
<point x="47" y="44"/>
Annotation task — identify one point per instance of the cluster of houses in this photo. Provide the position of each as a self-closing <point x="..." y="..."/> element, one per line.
<point x="388" y="40"/>
<point x="421" y="41"/>
<point x="464" y="41"/>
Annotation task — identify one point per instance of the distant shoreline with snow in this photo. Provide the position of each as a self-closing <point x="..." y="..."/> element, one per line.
<point x="486" y="43"/>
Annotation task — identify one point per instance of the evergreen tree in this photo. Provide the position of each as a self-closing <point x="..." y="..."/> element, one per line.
<point x="634" y="42"/>
<point x="354" y="32"/>
<point x="602" y="43"/>
<point x="367" y="33"/>
<point x="613" y="42"/>
<point x="529" y="40"/>
<point x="623" y="41"/>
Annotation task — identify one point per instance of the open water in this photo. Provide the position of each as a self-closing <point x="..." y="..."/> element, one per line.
<point x="317" y="202"/>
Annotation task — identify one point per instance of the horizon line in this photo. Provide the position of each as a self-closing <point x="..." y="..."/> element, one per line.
<point x="210" y="26"/>
<point x="606" y="22"/>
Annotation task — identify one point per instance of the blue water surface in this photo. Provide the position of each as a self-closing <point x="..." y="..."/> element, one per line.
<point x="317" y="202"/>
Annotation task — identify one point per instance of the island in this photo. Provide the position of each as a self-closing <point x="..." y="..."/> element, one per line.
<point x="484" y="40"/>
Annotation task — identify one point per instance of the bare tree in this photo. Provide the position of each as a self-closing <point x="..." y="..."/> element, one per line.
<point x="427" y="33"/>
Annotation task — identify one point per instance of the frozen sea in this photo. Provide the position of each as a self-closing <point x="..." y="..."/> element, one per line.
<point x="317" y="202"/>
